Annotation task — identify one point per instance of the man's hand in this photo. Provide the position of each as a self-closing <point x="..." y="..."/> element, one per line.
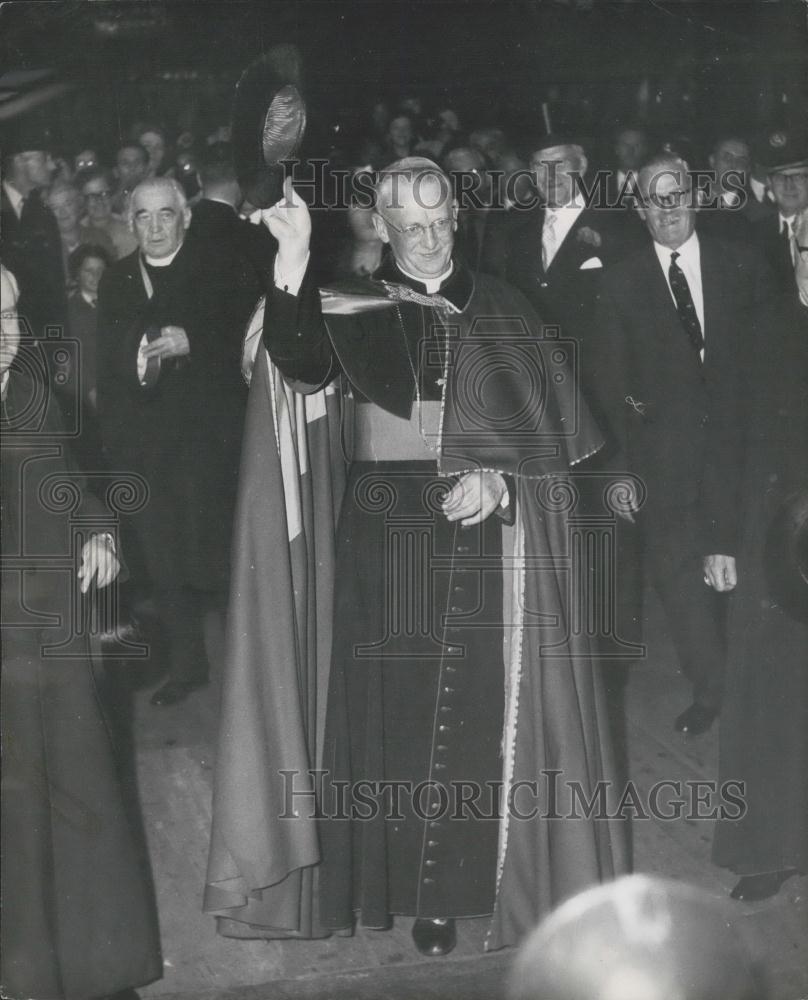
<point x="172" y="343"/>
<point x="720" y="573"/>
<point x="290" y="223"/>
<point x="99" y="562"/>
<point x="474" y="497"/>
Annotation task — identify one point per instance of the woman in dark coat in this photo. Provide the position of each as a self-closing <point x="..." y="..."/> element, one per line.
<point x="764" y="722"/>
<point x="78" y="915"/>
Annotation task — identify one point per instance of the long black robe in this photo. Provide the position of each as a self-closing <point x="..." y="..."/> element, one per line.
<point x="78" y="915"/>
<point x="554" y="717"/>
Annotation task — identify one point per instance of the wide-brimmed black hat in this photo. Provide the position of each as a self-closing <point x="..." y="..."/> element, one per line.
<point x="269" y="119"/>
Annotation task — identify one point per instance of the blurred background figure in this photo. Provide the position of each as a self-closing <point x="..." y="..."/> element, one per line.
<point x="67" y="204"/>
<point x="400" y="138"/>
<point x="639" y="938"/>
<point x="86" y="267"/>
<point x="131" y="167"/>
<point x="630" y="148"/>
<point x="764" y="726"/>
<point x="153" y="139"/>
<point x="95" y="185"/>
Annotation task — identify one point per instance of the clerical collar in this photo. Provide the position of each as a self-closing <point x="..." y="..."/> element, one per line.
<point x="432" y="285"/>
<point x="161" y="261"/>
<point x="457" y="285"/>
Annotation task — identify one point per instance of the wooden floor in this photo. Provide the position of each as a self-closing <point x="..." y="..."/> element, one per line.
<point x="174" y="756"/>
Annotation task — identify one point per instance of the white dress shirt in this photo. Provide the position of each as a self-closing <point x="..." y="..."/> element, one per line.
<point x="14" y="197"/>
<point x="786" y="225"/>
<point x="689" y="260"/>
<point x="558" y="222"/>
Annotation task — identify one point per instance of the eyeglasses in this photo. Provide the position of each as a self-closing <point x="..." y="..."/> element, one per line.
<point x="440" y="228"/>
<point x="673" y="199"/>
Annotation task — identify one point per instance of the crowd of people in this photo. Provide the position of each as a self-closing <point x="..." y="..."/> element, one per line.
<point x="491" y="314"/>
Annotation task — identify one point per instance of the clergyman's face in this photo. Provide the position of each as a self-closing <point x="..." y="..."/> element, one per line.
<point x="158" y="221"/>
<point x="418" y="220"/>
<point x="669" y="212"/>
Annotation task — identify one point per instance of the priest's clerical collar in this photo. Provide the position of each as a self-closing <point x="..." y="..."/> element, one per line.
<point x="456" y="284"/>
<point x="431" y="285"/>
<point x="161" y="261"/>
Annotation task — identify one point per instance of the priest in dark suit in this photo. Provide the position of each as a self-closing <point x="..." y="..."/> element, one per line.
<point x="665" y="367"/>
<point x="171" y="405"/>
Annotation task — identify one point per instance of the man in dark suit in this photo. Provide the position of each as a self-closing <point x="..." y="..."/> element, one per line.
<point x="217" y="227"/>
<point x="557" y="257"/>
<point x="665" y="369"/>
<point x="784" y="156"/>
<point x="171" y="403"/>
<point x="558" y="253"/>
<point x="731" y="207"/>
<point x="31" y="247"/>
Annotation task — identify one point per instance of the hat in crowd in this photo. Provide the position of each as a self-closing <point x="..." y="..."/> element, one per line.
<point x="268" y="123"/>
<point x="781" y="149"/>
<point x="638" y="938"/>
<point x="549" y="140"/>
<point x="25" y="136"/>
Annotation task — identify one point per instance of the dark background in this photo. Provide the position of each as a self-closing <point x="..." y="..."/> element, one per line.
<point x="688" y="66"/>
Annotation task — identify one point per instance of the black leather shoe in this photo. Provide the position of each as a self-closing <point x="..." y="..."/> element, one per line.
<point x="434" y="937"/>
<point x="173" y="692"/>
<point x="752" y="888"/>
<point x="695" y="720"/>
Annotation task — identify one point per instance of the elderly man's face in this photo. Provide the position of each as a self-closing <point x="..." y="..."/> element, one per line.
<point x="158" y="221"/>
<point x="420" y="229"/>
<point x="790" y="190"/>
<point x="669" y="212"/>
<point x="556" y="170"/>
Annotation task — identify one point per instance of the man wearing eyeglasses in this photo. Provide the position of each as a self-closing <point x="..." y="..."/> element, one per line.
<point x="459" y="419"/>
<point x="94" y="183"/>
<point x="671" y="323"/>
<point x="784" y="156"/>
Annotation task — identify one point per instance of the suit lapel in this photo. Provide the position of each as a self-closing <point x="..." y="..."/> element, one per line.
<point x="712" y="288"/>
